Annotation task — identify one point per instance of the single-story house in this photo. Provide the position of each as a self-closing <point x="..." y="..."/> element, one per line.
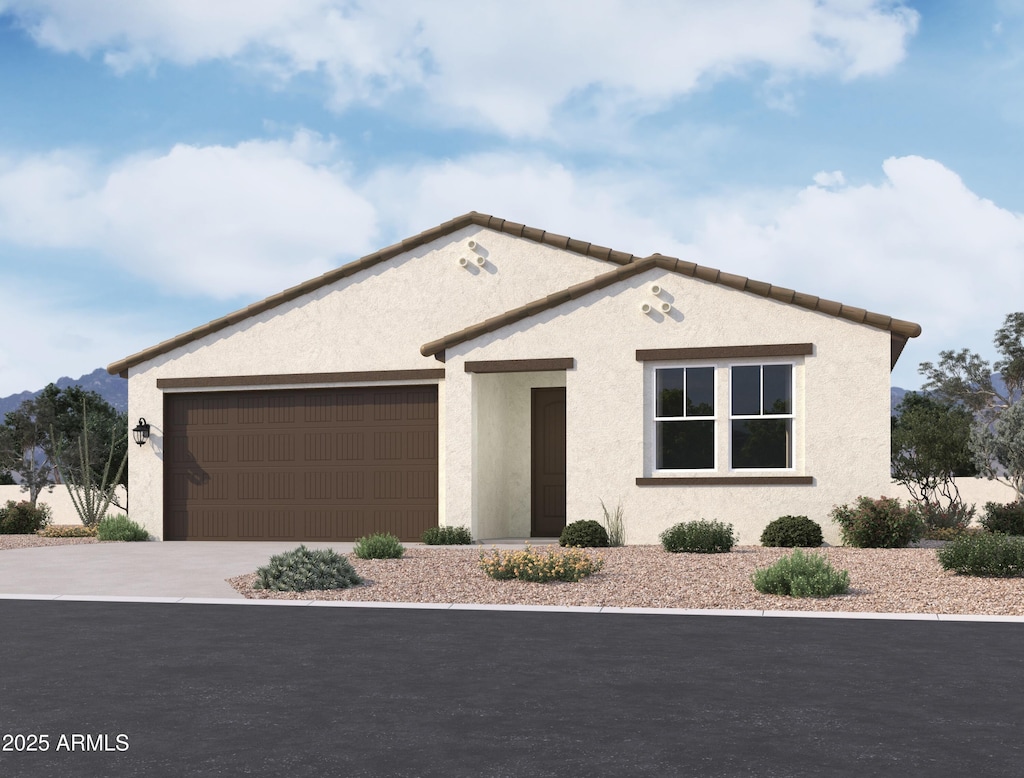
<point x="496" y="376"/>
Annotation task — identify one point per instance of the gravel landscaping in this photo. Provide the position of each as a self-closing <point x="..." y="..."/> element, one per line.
<point x="881" y="580"/>
<point x="906" y="580"/>
<point x="29" y="541"/>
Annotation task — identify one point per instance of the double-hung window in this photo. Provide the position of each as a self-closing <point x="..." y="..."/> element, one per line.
<point x="684" y="418"/>
<point x="761" y="416"/>
<point x="724" y="414"/>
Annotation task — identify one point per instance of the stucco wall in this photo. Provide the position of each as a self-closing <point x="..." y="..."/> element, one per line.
<point x="501" y="478"/>
<point x="61" y="508"/>
<point x="843" y="402"/>
<point x="374" y="320"/>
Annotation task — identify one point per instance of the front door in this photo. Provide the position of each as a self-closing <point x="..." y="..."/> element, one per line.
<point x="548" y="462"/>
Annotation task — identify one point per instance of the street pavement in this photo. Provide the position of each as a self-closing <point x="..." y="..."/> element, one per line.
<point x="189" y="689"/>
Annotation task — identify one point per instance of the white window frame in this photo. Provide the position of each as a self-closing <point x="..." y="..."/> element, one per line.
<point x="791" y="416"/>
<point x="654" y="418"/>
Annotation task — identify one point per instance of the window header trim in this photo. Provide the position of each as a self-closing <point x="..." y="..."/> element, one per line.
<point x="725" y="352"/>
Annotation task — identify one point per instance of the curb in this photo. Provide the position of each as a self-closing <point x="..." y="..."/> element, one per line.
<point x="526" y="608"/>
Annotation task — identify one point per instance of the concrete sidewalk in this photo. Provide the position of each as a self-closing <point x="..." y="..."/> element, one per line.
<point x="155" y="569"/>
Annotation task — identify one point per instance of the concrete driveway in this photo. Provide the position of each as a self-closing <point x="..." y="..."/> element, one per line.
<point x="194" y="570"/>
<point x="138" y="569"/>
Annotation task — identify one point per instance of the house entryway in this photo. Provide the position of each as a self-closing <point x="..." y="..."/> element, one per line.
<point x="547" y="456"/>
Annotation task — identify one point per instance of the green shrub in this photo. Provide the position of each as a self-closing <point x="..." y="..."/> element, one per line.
<point x="120" y="527"/>
<point x="615" y="525"/>
<point x="949" y="533"/>
<point x="571" y="565"/>
<point x="1007" y="518"/>
<point x="881" y="523"/>
<point x="988" y="554"/>
<point x="304" y="569"/>
<point x="379" y="546"/>
<point x="22" y="518"/>
<point x="792" y="531"/>
<point x="703" y="537"/>
<point x="801" y="575"/>
<point x="584" y="534"/>
<point x="447" y="536"/>
<point x="955" y="516"/>
<point x="67" y="531"/>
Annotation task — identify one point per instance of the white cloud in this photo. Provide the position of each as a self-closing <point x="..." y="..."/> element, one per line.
<point x="835" y="178"/>
<point x="917" y="245"/>
<point x="252" y="219"/>
<point x="500" y="65"/>
<point x="58" y="337"/>
<point x="219" y="221"/>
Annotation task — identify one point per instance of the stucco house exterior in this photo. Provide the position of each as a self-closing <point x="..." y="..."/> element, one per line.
<point x="496" y="376"/>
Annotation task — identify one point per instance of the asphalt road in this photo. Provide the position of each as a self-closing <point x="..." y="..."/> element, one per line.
<point x="262" y="690"/>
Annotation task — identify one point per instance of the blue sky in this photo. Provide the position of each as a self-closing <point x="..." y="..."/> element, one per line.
<point x="164" y="162"/>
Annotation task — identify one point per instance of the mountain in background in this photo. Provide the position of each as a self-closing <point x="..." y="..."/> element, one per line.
<point x="111" y="388"/>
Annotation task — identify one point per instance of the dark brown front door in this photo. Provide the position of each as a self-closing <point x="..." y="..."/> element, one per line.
<point x="316" y="464"/>
<point x="548" y="462"/>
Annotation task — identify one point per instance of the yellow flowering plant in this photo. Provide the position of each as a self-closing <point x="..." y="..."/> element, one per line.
<point x="570" y="565"/>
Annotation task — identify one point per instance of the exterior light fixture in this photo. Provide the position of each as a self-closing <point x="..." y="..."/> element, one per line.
<point x="141" y="432"/>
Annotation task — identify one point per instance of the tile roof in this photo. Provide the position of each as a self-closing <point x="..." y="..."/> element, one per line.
<point x="351" y="268"/>
<point x="629" y="265"/>
<point x="901" y="330"/>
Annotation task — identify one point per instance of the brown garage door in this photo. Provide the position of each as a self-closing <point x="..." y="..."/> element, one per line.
<point x="316" y="464"/>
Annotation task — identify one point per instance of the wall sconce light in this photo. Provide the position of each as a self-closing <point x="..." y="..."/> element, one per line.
<point x="141" y="432"/>
<point x="665" y="307"/>
<point x="655" y="290"/>
<point x="645" y="307"/>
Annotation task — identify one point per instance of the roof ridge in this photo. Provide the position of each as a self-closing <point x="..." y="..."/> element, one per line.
<point x="901" y="330"/>
<point x="350" y="268"/>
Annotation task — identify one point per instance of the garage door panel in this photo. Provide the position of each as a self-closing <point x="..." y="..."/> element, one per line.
<point x="350" y="485"/>
<point x="303" y="465"/>
<point x="319" y="485"/>
<point x="318" y="447"/>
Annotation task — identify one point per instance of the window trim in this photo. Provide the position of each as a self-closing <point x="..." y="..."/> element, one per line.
<point x="654" y="418"/>
<point x="791" y="416"/>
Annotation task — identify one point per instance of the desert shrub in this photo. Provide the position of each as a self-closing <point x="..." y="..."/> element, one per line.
<point x="881" y="523"/>
<point x="531" y="565"/>
<point x="304" y="569"/>
<point x="954" y="516"/>
<point x="23" y="518"/>
<point x="949" y="533"/>
<point x="615" y="525"/>
<point x="801" y="575"/>
<point x="120" y="527"/>
<point x="1007" y="518"/>
<point x="67" y="531"/>
<point x="585" y="534"/>
<point x="379" y="546"/>
<point x="792" y="531"/>
<point x="703" y="537"/>
<point x="987" y="554"/>
<point x="446" y="536"/>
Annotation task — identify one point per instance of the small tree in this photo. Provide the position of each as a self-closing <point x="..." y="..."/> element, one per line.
<point x="22" y="451"/>
<point x="930" y="447"/>
<point x="54" y="418"/>
<point x="964" y="378"/>
<point x="999" y="448"/>
<point x="91" y="497"/>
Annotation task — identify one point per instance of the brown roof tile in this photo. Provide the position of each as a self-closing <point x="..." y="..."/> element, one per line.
<point x="629" y="265"/>
<point x="901" y="330"/>
<point x="480" y="219"/>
